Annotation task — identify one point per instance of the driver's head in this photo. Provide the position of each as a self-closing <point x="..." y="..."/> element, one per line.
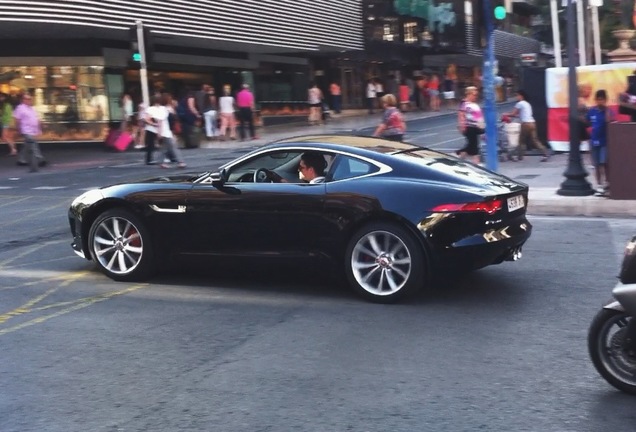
<point x="312" y="164"/>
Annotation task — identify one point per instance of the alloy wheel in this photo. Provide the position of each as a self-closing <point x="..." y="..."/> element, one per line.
<point x="381" y="263"/>
<point x="118" y="245"/>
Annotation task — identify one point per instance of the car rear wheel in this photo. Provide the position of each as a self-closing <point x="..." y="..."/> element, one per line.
<point x="384" y="263"/>
<point x="121" y="246"/>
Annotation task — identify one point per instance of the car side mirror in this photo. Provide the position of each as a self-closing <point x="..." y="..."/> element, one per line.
<point x="219" y="178"/>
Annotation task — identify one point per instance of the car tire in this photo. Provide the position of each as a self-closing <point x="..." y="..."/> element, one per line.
<point x="121" y="246"/>
<point x="384" y="262"/>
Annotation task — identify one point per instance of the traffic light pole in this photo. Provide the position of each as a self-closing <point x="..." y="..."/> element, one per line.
<point x="143" y="71"/>
<point x="488" y="84"/>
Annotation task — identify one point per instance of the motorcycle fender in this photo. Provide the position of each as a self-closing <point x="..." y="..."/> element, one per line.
<point x="614" y="306"/>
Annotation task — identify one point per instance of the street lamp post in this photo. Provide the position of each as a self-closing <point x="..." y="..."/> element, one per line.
<point x="575" y="183"/>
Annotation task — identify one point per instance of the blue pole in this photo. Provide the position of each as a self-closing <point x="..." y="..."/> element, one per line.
<point x="488" y="83"/>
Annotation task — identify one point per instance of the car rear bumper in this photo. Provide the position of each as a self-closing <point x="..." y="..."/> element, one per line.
<point x="492" y="246"/>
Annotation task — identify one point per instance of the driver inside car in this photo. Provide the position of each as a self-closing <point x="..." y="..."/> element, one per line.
<point x="311" y="169"/>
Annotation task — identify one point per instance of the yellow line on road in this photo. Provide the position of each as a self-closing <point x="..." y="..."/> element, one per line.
<point x="22" y="254"/>
<point x="32" y="214"/>
<point x="88" y="302"/>
<point x="15" y="201"/>
<point x="27" y="307"/>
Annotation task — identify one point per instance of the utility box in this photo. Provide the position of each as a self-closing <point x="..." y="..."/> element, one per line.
<point x="622" y="160"/>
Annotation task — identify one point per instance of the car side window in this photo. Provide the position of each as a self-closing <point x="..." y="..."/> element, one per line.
<point x="348" y="167"/>
<point x="282" y="162"/>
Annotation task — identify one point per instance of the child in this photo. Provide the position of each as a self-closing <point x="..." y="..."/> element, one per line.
<point x="597" y="118"/>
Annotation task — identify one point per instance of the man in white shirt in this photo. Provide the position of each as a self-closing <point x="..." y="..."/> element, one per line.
<point x="311" y="169"/>
<point x="523" y="110"/>
<point x="152" y="120"/>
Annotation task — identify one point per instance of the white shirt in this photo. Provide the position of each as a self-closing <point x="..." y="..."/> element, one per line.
<point x="154" y="112"/>
<point x="317" y="180"/>
<point x="525" y="111"/>
<point x="226" y="105"/>
<point x="379" y="88"/>
<point x="162" y="116"/>
<point x="370" y="90"/>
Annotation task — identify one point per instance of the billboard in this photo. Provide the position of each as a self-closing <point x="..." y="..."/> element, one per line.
<point x="609" y="77"/>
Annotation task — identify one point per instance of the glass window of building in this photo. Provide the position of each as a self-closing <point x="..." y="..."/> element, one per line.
<point x="71" y="100"/>
<point x="410" y="32"/>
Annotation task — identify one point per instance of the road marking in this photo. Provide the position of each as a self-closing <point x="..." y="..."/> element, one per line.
<point x="27" y="307"/>
<point x="79" y="304"/>
<point x="49" y="187"/>
<point x="15" y="201"/>
<point x="22" y="254"/>
<point x="7" y="187"/>
<point x="32" y="214"/>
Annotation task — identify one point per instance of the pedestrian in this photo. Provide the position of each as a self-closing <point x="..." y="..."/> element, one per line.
<point x="336" y="97"/>
<point x="152" y="120"/>
<point x="392" y="126"/>
<point x="371" y="95"/>
<point x="246" y="106"/>
<point x="6" y="117"/>
<point x="597" y="118"/>
<point x="27" y="123"/>
<point x="470" y="122"/>
<point x="167" y="118"/>
<point x="226" y="107"/>
<point x="379" y="91"/>
<point x="523" y="110"/>
<point x="314" y="99"/>
<point x="190" y="119"/>
<point x="127" y="109"/>
<point x="141" y="126"/>
<point x="210" y="113"/>
<point x="433" y="92"/>
<point x="405" y="96"/>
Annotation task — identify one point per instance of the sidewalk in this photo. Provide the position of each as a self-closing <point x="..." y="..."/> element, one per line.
<point x="544" y="179"/>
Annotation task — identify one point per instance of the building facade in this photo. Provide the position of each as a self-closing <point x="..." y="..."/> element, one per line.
<point x="412" y="38"/>
<point x="74" y="56"/>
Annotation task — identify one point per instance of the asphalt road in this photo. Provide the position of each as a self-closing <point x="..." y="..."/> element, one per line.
<point x="282" y="347"/>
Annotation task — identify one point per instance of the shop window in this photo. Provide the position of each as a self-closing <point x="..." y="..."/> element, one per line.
<point x="71" y="100"/>
<point x="410" y="32"/>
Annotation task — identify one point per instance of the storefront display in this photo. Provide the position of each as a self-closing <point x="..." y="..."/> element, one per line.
<point x="72" y="100"/>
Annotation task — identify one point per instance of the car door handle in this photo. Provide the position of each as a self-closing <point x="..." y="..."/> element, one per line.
<point x="177" y="209"/>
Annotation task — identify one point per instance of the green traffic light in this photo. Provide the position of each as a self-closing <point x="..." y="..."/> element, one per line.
<point x="136" y="57"/>
<point x="500" y="12"/>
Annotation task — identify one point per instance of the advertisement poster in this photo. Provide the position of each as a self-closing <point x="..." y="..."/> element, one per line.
<point x="609" y="77"/>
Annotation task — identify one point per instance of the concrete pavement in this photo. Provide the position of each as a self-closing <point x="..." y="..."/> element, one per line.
<point x="544" y="178"/>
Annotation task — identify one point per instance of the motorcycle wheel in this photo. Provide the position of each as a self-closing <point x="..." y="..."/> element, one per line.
<point x="605" y="344"/>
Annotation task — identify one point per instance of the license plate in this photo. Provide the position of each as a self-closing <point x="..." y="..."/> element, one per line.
<point x="515" y="203"/>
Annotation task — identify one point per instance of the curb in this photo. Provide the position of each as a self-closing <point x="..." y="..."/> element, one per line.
<point x="546" y="202"/>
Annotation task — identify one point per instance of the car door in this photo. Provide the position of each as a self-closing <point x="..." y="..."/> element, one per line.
<point x="246" y="218"/>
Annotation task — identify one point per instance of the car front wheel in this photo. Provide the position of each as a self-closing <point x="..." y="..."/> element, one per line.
<point x="384" y="263"/>
<point x="121" y="246"/>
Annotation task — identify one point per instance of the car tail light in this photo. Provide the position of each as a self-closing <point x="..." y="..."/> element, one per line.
<point x="489" y="207"/>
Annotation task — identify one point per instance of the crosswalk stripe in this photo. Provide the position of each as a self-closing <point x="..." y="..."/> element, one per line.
<point x="49" y="187"/>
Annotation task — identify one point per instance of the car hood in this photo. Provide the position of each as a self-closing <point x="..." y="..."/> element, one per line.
<point x="177" y="178"/>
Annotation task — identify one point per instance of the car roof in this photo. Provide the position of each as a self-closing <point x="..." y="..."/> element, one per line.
<point x="350" y="142"/>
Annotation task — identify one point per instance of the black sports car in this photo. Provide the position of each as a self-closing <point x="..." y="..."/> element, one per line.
<point x="392" y="214"/>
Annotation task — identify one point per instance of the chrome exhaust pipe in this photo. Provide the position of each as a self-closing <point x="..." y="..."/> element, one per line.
<point x="514" y="255"/>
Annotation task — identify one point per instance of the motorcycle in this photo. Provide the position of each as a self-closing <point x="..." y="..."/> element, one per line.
<point x="612" y="334"/>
